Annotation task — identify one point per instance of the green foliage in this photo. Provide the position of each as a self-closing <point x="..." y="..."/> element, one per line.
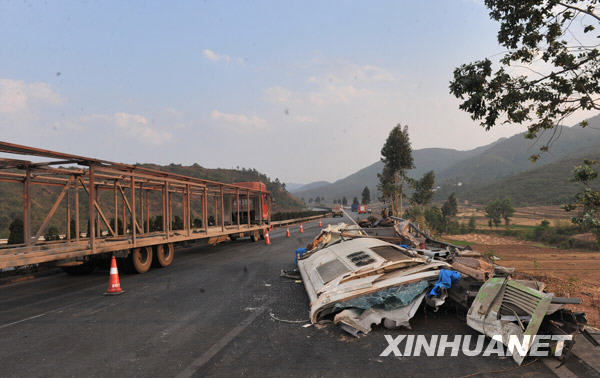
<point x="472" y="226"/>
<point x="366" y="195"/>
<point x="177" y="223"/>
<point x="396" y="155"/>
<point x="52" y="233"/>
<point x="414" y="213"/>
<point x="532" y="32"/>
<point x="16" y="232"/>
<point x="344" y="201"/>
<point x="119" y="229"/>
<point x="435" y="219"/>
<point x="450" y="207"/>
<point x="497" y="210"/>
<point x="586" y="202"/>
<point x="156" y="223"/>
<point x="423" y="189"/>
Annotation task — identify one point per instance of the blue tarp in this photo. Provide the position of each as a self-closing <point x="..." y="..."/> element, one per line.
<point x="299" y="253"/>
<point x="445" y="280"/>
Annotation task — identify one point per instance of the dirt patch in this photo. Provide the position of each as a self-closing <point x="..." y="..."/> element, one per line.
<point x="485" y="239"/>
<point x="568" y="273"/>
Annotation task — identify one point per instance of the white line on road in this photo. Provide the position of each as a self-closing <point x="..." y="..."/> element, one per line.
<point x="46" y="313"/>
<point x="22" y="320"/>
<point x="222" y="343"/>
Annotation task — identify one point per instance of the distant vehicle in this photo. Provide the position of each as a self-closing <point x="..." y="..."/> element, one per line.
<point x="354" y="207"/>
<point x="338" y="211"/>
<point x="362" y="209"/>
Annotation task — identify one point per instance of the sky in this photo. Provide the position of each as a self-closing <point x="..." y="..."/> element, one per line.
<point x="300" y="90"/>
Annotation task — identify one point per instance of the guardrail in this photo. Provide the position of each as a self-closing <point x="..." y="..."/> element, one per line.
<point x="276" y="224"/>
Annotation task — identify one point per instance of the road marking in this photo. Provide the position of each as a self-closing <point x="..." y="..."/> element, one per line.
<point x="219" y="345"/>
<point x="46" y="313"/>
<point x="22" y="320"/>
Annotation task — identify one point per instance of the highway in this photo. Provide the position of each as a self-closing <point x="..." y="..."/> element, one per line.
<point x="210" y="314"/>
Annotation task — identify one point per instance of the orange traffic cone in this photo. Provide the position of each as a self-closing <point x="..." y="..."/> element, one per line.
<point x="287" y="231"/>
<point x="267" y="238"/>
<point x="320" y="223"/>
<point x="301" y="228"/>
<point x="114" y="286"/>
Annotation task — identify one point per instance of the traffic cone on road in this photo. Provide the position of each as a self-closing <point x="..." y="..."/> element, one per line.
<point x="320" y="223"/>
<point x="267" y="238"/>
<point x="301" y="228"/>
<point x="287" y="231"/>
<point x="114" y="286"/>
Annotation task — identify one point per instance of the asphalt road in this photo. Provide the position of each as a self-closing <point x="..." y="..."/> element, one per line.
<point x="209" y="314"/>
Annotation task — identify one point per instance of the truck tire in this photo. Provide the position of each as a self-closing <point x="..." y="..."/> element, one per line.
<point x="141" y="259"/>
<point x="163" y="255"/>
<point x="254" y="236"/>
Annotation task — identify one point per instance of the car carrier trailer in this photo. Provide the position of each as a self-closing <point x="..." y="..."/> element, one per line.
<point x="107" y="208"/>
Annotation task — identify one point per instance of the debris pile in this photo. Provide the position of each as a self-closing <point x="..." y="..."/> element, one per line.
<point x="357" y="279"/>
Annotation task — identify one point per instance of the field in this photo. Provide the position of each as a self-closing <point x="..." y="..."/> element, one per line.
<point x="567" y="273"/>
<point x="524" y="216"/>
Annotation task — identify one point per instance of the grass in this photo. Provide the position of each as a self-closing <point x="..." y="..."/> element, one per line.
<point x="460" y="243"/>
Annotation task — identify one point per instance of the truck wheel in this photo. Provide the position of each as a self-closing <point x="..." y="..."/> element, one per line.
<point x="163" y="255"/>
<point x="141" y="259"/>
<point x="254" y="236"/>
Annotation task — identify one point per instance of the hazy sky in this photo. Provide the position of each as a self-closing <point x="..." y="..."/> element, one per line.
<point x="300" y="90"/>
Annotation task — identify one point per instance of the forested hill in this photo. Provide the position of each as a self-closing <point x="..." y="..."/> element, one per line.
<point x="282" y="199"/>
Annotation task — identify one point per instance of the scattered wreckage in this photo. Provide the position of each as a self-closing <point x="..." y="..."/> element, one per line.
<point x="357" y="280"/>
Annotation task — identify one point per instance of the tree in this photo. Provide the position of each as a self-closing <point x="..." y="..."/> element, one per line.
<point x="499" y="209"/>
<point x="366" y="195"/>
<point x="344" y="201"/>
<point x="556" y="78"/>
<point x="52" y="234"/>
<point x="310" y="200"/>
<point x="16" y="232"/>
<point x="587" y="201"/>
<point x="450" y="206"/>
<point x="177" y="223"/>
<point x="396" y="155"/>
<point x="317" y="200"/>
<point x="538" y="33"/>
<point x="423" y="189"/>
<point x="435" y="219"/>
<point x="492" y="212"/>
<point x="506" y="210"/>
<point x="355" y="201"/>
<point x="472" y="224"/>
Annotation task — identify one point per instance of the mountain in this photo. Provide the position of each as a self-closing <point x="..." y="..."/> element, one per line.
<point x="473" y="172"/>
<point x="427" y="159"/>
<point x="549" y="184"/>
<point x="312" y="185"/>
<point x="512" y="155"/>
<point x="291" y="186"/>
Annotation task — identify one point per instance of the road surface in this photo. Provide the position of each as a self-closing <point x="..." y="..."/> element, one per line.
<point x="210" y="314"/>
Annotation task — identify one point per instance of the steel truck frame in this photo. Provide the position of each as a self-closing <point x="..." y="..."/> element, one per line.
<point x="130" y="189"/>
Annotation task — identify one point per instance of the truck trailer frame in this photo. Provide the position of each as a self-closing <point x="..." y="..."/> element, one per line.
<point x="116" y="202"/>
